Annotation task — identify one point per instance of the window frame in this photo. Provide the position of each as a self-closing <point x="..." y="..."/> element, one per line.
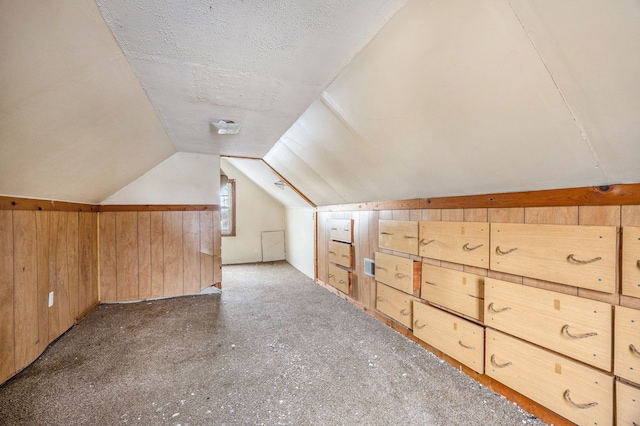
<point x="231" y="188"/>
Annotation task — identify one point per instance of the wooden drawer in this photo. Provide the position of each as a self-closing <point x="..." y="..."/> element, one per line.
<point x="581" y="394"/>
<point x="631" y="261"/>
<point x="398" y="235"/>
<point x="457" y="337"/>
<point x="627" y="344"/>
<point x="341" y="253"/>
<point x="395" y="304"/>
<point x="459" y="242"/>
<point x="627" y="404"/>
<point x="577" y="327"/>
<point x="398" y="272"/>
<point x="341" y="230"/>
<point x="581" y="256"/>
<point x="459" y="291"/>
<point x="340" y="278"/>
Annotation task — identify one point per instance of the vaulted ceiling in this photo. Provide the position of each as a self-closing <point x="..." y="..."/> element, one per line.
<point x="348" y="101"/>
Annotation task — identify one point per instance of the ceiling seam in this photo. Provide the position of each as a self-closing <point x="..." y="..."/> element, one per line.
<point x="564" y="99"/>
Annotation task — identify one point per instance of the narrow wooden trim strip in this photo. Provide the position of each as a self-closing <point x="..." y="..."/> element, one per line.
<point x="17" y="203"/>
<point x="609" y="195"/>
<point x="159" y="208"/>
<point x="293" y="188"/>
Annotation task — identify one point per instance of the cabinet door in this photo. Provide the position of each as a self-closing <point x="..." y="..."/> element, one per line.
<point x="627" y="404"/>
<point x="577" y="327"/>
<point x="398" y="272"/>
<point x="466" y="243"/>
<point x="459" y="291"/>
<point x="341" y="230"/>
<point x="581" y="394"/>
<point x="581" y="256"/>
<point x="395" y="304"/>
<point x="398" y="235"/>
<point x="627" y="344"/>
<point x="340" y="278"/>
<point x="341" y="253"/>
<point x="631" y="261"/>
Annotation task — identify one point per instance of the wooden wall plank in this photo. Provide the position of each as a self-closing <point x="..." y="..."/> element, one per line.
<point x="127" y="256"/>
<point x="144" y="255"/>
<point x="53" y="314"/>
<point x="599" y="215"/>
<point x="206" y="250"/>
<point x="172" y="243"/>
<point x="157" y="255"/>
<point x="475" y="215"/>
<point x="73" y="264"/>
<point x="552" y="215"/>
<point x="43" y="230"/>
<point x="25" y="267"/>
<point x="630" y="216"/>
<point x="191" y="251"/>
<point x="217" y="250"/>
<point x="7" y="327"/>
<point x="323" y="246"/>
<point x="452" y="215"/>
<point x="108" y="288"/>
<point x="506" y="215"/>
<point x="401" y="214"/>
<point x="88" y="261"/>
<point x="61" y="298"/>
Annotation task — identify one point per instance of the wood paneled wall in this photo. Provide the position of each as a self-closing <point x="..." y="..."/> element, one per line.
<point x="152" y="254"/>
<point x="43" y="252"/>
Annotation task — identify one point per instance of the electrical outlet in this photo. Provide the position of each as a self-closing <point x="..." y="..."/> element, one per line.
<point x="50" y="299"/>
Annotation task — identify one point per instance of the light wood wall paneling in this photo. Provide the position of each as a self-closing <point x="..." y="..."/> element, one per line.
<point x="475" y="215"/>
<point x="43" y="230"/>
<point x="207" y="259"/>
<point x="7" y="327"/>
<point x="88" y="261"/>
<point x="73" y="264"/>
<point x="108" y="287"/>
<point x="144" y="255"/>
<point x="505" y="215"/>
<point x="385" y="215"/>
<point x="552" y="215"/>
<point x="127" y="256"/>
<point x="191" y="251"/>
<point x="365" y="249"/>
<point x="630" y="216"/>
<point x="452" y="215"/>
<point x="173" y="254"/>
<point x="401" y="214"/>
<point x="217" y="249"/>
<point x="157" y="254"/>
<point x="25" y="267"/>
<point x="60" y="283"/>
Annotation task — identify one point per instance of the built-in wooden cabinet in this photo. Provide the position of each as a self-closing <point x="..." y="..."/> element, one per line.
<point x="341" y="230"/>
<point x="458" y="291"/>
<point x="458" y="242"/>
<point x="395" y="304"/>
<point x="398" y="235"/>
<point x="627" y="344"/>
<point x="627" y="404"/>
<point x="341" y="254"/>
<point x="631" y="261"/>
<point x="340" y="278"/>
<point x="399" y="272"/>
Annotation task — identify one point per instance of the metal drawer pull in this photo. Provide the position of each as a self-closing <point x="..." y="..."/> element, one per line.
<point x="405" y="312"/>
<point x="408" y="237"/>
<point x="567" y="396"/>
<point x="582" y="262"/>
<point x="401" y="275"/>
<point x="467" y="248"/>
<point x="475" y="297"/>
<point x="633" y="349"/>
<point x="386" y="233"/>
<point x="495" y="364"/>
<point x="422" y="243"/>
<point x="505" y="252"/>
<point x="497" y="311"/>
<point x="465" y="346"/>
<point x="565" y="330"/>
<point x="419" y="327"/>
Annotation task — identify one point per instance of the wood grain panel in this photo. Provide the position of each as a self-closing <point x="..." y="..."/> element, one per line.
<point x="630" y="216"/>
<point x="108" y="287"/>
<point x="43" y="229"/>
<point x="73" y="264"/>
<point x="53" y="313"/>
<point x="7" y="330"/>
<point x="191" y="251"/>
<point x="599" y="215"/>
<point x="126" y="256"/>
<point x="206" y="250"/>
<point x="475" y="215"/>
<point x="88" y="248"/>
<point x="173" y="252"/>
<point x="25" y="267"/>
<point x="452" y="215"/>
<point x="58" y="251"/>
<point x="551" y="215"/>
<point x="432" y="214"/>
<point x="144" y="255"/>
<point x="401" y="215"/>
<point x="506" y="215"/>
<point x="157" y="255"/>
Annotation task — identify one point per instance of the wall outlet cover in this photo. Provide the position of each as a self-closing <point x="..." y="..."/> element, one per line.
<point x="50" y="299"/>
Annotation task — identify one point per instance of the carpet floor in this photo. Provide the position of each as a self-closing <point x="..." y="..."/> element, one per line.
<point x="272" y="348"/>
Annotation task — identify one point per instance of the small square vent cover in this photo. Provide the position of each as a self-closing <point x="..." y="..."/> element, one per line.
<point x="369" y="267"/>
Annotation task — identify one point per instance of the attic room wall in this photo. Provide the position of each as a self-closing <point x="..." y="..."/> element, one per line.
<point x="300" y="226"/>
<point x="256" y="212"/>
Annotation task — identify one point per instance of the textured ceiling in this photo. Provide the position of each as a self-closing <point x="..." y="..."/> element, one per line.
<point x="260" y="63"/>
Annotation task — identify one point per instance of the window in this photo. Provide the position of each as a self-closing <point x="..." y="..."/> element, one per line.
<point x="228" y="209"/>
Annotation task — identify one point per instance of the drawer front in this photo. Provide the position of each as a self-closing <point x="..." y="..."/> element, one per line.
<point x="340" y="278"/>
<point x="395" y="304"/>
<point x="340" y="253"/>
<point x="341" y="230"/>
<point x="627" y="404"/>
<point x="573" y="390"/>
<point x="459" y="291"/>
<point x="398" y="235"/>
<point x="458" y="338"/>
<point x="627" y="344"/>
<point x="459" y="242"/>
<point x="577" y="327"/>
<point x="398" y="272"/>
<point x="581" y="256"/>
<point x="631" y="261"/>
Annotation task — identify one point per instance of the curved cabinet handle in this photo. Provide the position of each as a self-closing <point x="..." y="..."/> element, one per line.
<point x="565" y="330"/>
<point x="633" y="349"/>
<point x="423" y="243"/>
<point x="400" y="275"/>
<point x="386" y="233"/>
<point x="331" y="276"/>
<point x="475" y="297"/>
<point x="638" y="263"/>
<point x="332" y="252"/>
<point x="500" y="251"/>
<point x="582" y="262"/>
<point x="409" y="237"/>
<point x="467" y="248"/>
<point x="430" y="283"/>
<point x="419" y="327"/>
<point x="497" y="311"/>
<point x="381" y="299"/>
<point x="380" y="267"/>
<point x="405" y="312"/>
<point x="567" y="396"/>
<point x="342" y="281"/>
<point x="495" y="364"/>
<point x="334" y="229"/>
<point x="465" y="346"/>
<point x="344" y="255"/>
